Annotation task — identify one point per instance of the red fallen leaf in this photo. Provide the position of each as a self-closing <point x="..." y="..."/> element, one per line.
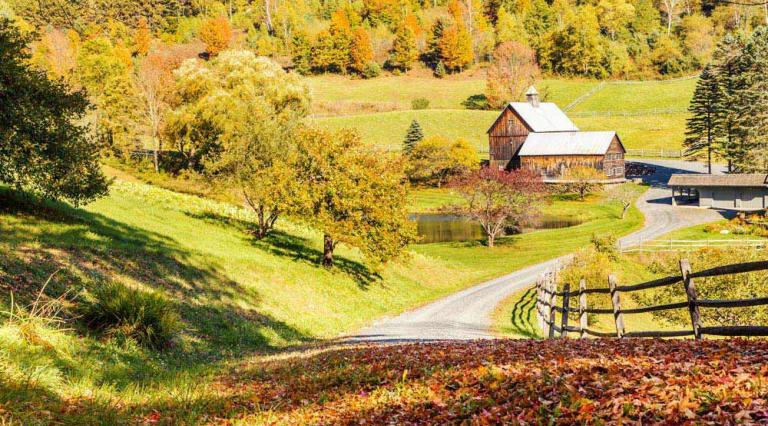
<point x="154" y="417"/>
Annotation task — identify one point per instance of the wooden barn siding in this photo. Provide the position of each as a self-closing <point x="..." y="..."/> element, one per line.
<point x="614" y="167"/>
<point x="551" y="166"/>
<point x="505" y="138"/>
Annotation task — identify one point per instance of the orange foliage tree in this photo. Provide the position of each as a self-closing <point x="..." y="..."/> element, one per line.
<point x="216" y="34"/>
<point x="456" y="47"/>
<point x="142" y="38"/>
<point x="361" y="52"/>
<point x="513" y="69"/>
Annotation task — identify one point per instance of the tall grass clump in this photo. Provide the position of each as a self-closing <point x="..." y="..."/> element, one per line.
<point x="147" y="317"/>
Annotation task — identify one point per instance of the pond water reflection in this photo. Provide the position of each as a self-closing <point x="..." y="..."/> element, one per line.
<point x="438" y="228"/>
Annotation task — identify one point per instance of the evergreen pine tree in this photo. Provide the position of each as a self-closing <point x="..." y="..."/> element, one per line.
<point x="727" y="68"/>
<point x="414" y="136"/>
<point x="706" y="111"/>
<point x="750" y="105"/>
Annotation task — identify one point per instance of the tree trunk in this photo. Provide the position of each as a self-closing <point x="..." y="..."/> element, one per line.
<point x="624" y="212"/>
<point x="491" y="239"/>
<point x="157" y="154"/>
<point x="328" y="246"/>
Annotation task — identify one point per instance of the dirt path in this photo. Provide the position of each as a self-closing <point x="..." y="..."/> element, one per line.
<point x="467" y="314"/>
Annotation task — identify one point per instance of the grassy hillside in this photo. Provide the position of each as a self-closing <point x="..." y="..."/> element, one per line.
<point x="647" y="115"/>
<point x="446" y="93"/>
<point x="236" y="295"/>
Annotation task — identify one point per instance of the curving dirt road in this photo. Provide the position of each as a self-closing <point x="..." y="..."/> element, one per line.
<point x="467" y="314"/>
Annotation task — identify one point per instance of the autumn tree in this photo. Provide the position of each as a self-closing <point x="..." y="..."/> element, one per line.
<point x="706" y="111"/>
<point x="237" y="118"/>
<point x="514" y="68"/>
<point x="216" y="33"/>
<point x="583" y="180"/>
<point x="354" y="196"/>
<point x="496" y="199"/>
<point x="44" y="148"/>
<point x="436" y="159"/>
<point x="142" y="38"/>
<point x="404" y="52"/>
<point x="456" y="47"/>
<point x="154" y="80"/>
<point x="624" y="194"/>
<point x="361" y="51"/>
<point x="105" y="70"/>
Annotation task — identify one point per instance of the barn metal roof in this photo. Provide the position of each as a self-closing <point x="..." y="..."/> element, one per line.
<point x="546" y="117"/>
<point x="738" y="180"/>
<point x="567" y="143"/>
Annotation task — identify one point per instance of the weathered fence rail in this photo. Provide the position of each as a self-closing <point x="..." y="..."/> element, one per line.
<point x="655" y="153"/>
<point x="691" y="245"/>
<point x="547" y="294"/>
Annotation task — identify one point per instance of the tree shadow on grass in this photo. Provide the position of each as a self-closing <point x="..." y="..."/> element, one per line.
<point x="40" y="237"/>
<point x="523" y="314"/>
<point x="296" y="248"/>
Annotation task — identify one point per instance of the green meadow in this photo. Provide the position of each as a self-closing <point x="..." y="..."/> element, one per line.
<point x="649" y="114"/>
<point x="236" y="295"/>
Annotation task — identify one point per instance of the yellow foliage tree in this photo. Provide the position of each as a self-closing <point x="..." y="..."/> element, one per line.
<point x="456" y="47"/>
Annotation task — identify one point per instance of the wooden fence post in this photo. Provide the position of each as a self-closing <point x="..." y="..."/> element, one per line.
<point x="566" y="303"/>
<point x="544" y="305"/>
<point x="539" y="304"/>
<point x="582" y="307"/>
<point x="690" y="292"/>
<point x="552" y="304"/>
<point x="616" y="302"/>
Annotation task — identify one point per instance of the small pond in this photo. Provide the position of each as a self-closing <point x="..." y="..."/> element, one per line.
<point x="438" y="228"/>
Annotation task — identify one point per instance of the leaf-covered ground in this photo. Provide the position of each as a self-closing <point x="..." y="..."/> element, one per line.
<point x="517" y="381"/>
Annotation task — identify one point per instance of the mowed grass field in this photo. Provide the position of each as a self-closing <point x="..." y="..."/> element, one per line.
<point x="648" y="115"/>
<point x="236" y="295"/>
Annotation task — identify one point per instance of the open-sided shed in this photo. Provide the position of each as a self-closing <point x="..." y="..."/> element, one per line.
<point x="744" y="192"/>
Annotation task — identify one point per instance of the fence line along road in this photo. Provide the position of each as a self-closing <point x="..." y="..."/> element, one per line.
<point x="655" y="153"/>
<point x="547" y="307"/>
<point x="691" y="245"/>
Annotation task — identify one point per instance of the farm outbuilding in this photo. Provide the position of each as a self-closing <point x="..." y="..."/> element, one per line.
<point x="743" y="192"/>
<point x="539" y="136"/>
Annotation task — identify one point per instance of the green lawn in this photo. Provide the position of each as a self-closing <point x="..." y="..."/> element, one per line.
<point x="620" y="106"/>
<point x="237" y="296"/>
<point x="446" y="93"/>
<point x="698" y="233"/>
<point x="639" y="96"/>
<point x="388" y="129"/>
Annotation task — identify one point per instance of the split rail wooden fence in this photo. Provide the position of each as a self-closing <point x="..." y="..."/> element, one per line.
<point x="547" y="306"/>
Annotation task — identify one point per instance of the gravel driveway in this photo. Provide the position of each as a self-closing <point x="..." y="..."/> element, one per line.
<point x="467" y="314"/>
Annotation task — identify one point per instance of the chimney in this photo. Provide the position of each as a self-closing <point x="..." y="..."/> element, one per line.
<point x="533" y="97"/>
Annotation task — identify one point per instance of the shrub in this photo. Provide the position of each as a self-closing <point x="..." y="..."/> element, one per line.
<point x="606" y="244"/>
<point x="736" y="286"/>
<point x="476" y="102"/>
<point x="420" y="103"/>
<point x="440" y="70"/>
<point x="146" y="317"/>
<point x="371" y="70"/>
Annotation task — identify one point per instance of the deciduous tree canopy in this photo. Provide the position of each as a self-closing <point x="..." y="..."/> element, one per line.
<point x="42" y="148"/>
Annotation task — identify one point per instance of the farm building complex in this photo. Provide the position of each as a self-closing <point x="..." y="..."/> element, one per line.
<point x="745" y="192"/>
<point x="539" y="136"/>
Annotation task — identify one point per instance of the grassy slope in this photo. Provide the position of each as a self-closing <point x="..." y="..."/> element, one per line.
<point x="649" y="130"/>
<point x="236" y="295"/>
